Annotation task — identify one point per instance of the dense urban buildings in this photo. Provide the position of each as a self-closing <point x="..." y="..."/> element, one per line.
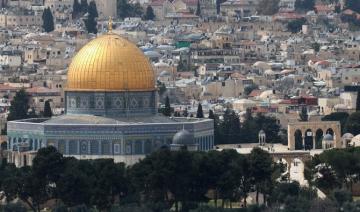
<point x="207" y="93"/>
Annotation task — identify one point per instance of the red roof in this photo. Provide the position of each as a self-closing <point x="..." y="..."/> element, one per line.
<point x="285" y="101"/>
<point x="323" y="8"/>
<point x="157" y="2"/>
<point x="190" y="2"/>
<point x="348" y="12"/>
<point x="41" y="90"/>
<point x="287" y="16"/>
<point x="8" y="87"/>
<point x="255" y="93"/>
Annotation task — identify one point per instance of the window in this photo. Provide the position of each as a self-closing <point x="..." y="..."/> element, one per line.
<point x="73" y="148"/>
<point x="148" y="146"/>
<point x="138" y="147"/>
<point x="116" y="148"/>
<point x="105" y="147"/>
<point x="62" y="146"/>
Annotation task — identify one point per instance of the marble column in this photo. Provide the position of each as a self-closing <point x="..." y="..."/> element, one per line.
<point x="303" y="142"/>
<point x="314" y="142"/>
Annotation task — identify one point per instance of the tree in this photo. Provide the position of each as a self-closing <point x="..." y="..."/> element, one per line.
<point x="303" y="115"/>
<point x="47" y="109"/>
<point x="75" y="185"/>
<point x="110" y="182"/>
<point x="249" y="88"/>
<point x="167" y="109"/>
<point x="218" y="3"/>
<point x="338" y="168"/>
<point x="315" y="46"/>
<point x="37" y="184"/>
<point x="211" y="114"/>
<point x="296" y="25"/>
<point x="358" y="101"/>
<point x="229" y="128"/>
<point x="84" y="6"/>
<point x="180" y="67"/>
<point x="76" y="9"/>
<point x="136" y="10"/>
<point x="353" y="123"/>
<point x="304" y="5"/>
<point x="48" y="20"/>
<point x="19" y="106"/>
<point x="149" y="14"/>
<point x="338" y="9"/>
<point x="260" y="169"/>
<point x="199" y="113"/>
<point x="337" y="116"/>
<point x="198" y="9"/>
<point x="341" y="196"/>
<point x="125" y="9"/>
<point x="185" y="113"/>
<point x="161" y="88"/>
<point x="268" y="7"/>
<point x="90" y="21"/>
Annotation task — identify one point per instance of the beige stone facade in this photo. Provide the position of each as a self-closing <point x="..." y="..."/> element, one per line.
<point x="12" y="20"/>
<point x="312" y="133"/>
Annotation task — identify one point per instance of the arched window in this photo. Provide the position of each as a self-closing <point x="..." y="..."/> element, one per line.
<point x="298" y="140"/>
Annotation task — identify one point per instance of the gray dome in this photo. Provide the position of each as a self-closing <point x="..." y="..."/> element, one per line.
<point x="328" y="137"/>
<point x="348" y="136"/>
<point x="183" y="137"/>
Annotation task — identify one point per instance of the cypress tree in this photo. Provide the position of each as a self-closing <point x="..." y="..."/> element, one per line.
<point x="84" y="6"/>
<point x="358" y="101"/>
<point x="167" y="109"/>
<point x="48" y="20"/>
<point x="90" y="21"/>
<point x="211" y="114"/>
<point x="185" y="113"/>
<point x="76" y="9"/>
<point x="198" y="9"/>
<point x="199" y="113"/>
<point x="19" y="106"/>
<point x="304" y="114"/>
<point x="149" y="14"/>
<point x="47" y="109"/>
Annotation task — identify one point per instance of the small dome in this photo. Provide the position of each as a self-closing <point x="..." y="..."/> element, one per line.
<point x="269" y="72"/>
<point x="328" y="137"/>
<point x="183" y="137"/>
<point x="348" y="136"/>
<point x="164" y="74"/>
<point x="356" y="140"/>
<point x="267" y="94"/>
<point x="261" y="132"/>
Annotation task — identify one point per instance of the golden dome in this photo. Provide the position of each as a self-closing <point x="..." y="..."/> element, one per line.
<point x="110" y="63"/>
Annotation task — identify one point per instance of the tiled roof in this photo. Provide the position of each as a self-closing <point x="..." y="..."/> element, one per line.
<point x="41" y="90"/>
<point x="255" y="93"/>
<point x="7" y="87"/>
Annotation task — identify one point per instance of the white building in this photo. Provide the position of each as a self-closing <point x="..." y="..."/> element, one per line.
<point x="10" y="58"/>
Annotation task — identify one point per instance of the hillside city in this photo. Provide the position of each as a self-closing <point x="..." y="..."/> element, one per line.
<point x="180" y="105"/>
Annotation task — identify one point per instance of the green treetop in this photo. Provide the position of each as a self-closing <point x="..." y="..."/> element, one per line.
<point x="19" y="106"/>
<point x="48" y="20"/>
<point x="90" y="21"/>
<point x="149" y="14"/>
<point x="199" y="113"/>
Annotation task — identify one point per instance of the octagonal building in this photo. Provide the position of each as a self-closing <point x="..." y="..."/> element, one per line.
<point x="110" y="110"/>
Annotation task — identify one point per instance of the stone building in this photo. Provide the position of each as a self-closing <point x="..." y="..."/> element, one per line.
<point x="110" y="110"/>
